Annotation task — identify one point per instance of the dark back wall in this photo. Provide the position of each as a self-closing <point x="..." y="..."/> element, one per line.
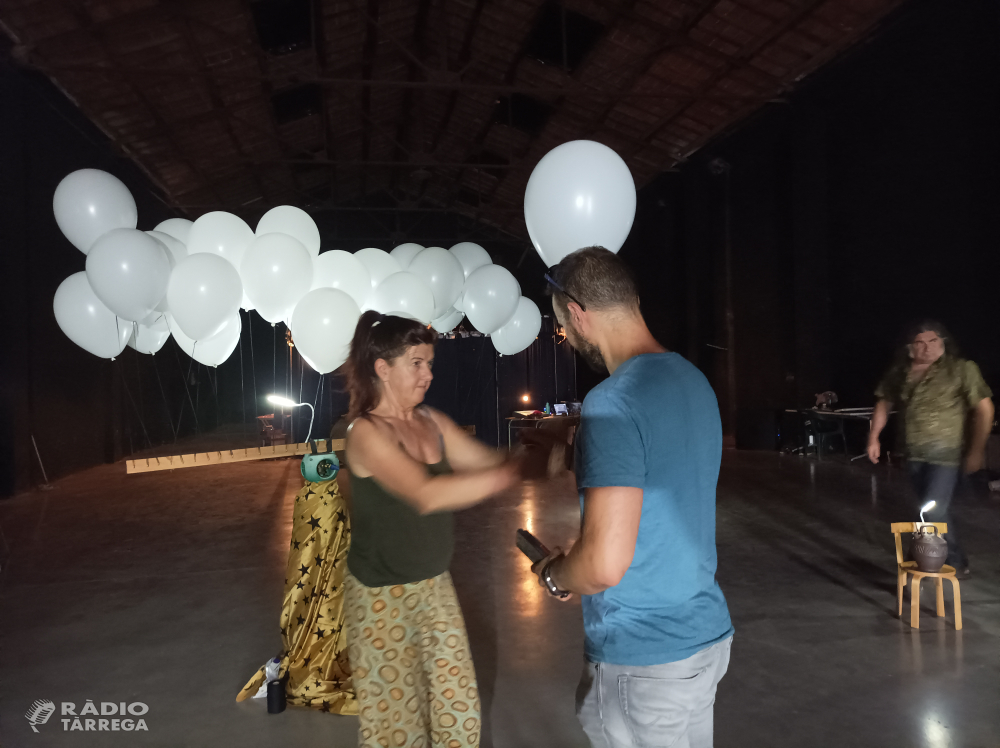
<point x="864" y="200"/>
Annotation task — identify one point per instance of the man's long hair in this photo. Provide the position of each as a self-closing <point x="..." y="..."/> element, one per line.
<point x="927" y="325"/>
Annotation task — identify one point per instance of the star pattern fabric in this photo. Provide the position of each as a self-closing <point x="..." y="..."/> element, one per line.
<point x="313" y="639"/>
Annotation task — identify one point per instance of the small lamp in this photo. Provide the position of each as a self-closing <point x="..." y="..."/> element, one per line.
<point x="525" y="398"/>
<point x="926" y="508"/>
<point x="286" y="403"/>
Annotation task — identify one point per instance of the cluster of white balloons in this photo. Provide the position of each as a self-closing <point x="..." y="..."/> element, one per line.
<point x="579" y="195"/>
<point x="190" y="279"/>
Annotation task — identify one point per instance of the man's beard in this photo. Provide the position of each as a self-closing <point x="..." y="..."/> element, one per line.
<point x="589" y="352"/>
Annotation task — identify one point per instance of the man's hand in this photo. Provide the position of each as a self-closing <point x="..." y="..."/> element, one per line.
<point x="874" y="450"/>
<point x="974" y="462"/>
<point x="537" y="571"/>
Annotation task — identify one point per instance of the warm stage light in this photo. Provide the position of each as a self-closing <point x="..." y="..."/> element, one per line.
<point x="525" y="398"/>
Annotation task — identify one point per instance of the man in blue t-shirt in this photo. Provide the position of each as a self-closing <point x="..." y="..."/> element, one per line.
<point x="657" y="626"/>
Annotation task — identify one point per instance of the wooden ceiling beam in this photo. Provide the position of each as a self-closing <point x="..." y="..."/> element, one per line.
<point x="83" y="19"/>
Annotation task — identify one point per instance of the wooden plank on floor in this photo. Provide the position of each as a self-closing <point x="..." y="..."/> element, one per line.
<point x="221" y="457"/>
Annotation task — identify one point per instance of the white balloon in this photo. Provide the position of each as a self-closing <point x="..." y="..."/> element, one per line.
<point x="128" y="271"/>
<point x="176" y="249"/>
<point x="203" y="295"/>
<point x="277" y="272"/>
<point x="380" y="264"/>
<point x="471" y="255"/>
<point x="149" y="338"/>
<point x="214" y="350"/>
<point x="580" y="194"/>
<point x="89" y="203"/>
<point x="322" y="327"/>
<point x="405" y="253"/>
<point x="404" y="295"/>
<point x="339" y="269"/>
<point x="295" y="222"/>
<point x="86" y="321"/>
<point x="222" y="234"/>
<point x="442" y="272"/>
<point x="246" y="305"/>
<point x="490" y="300"/>
<point x="448" y="321"/>
<point x="179" y="228"/>
<point x="521" y="331"/>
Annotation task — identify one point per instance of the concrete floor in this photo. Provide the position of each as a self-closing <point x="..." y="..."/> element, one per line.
<point x="164" y="588"/>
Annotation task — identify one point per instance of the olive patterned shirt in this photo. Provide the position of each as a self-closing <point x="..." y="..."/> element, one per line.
<point x="935" y="408"/>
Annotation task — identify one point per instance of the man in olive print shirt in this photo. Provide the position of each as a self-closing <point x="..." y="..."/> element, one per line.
<point x="937" y="392"/>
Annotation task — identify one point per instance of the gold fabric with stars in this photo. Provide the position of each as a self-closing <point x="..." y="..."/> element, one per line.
<point x="312" y="618"/>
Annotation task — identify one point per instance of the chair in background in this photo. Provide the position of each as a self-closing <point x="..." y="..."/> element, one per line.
<point x="823" y="430"/>
<point x="269" y="435"/>
<point x="909" y="568"/>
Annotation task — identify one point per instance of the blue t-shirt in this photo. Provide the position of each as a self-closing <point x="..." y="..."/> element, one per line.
<point x="654" y="424"/>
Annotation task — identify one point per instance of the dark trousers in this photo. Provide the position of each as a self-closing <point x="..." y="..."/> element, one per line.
<point x="938" y="483"/>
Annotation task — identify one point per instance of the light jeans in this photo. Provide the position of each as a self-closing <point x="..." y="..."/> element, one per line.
<point x="653" y="706"/>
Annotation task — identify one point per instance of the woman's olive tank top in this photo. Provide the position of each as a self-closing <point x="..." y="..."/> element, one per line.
<point x="391" y="543"/>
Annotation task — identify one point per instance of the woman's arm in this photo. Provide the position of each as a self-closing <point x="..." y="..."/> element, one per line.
<point x="464" y="452"/>
<point x="374" y="451"/>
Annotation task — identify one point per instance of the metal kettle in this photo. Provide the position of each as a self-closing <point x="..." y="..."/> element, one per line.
<point x="928" y="549"/>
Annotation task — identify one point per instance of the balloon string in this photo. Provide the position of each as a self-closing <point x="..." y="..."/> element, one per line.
<point x="166" y="403"/>
<point x="128" y="392"/>
<point x="253" y="362"/>
<point x="243" y="392"/>
<point x="194" y="410"/>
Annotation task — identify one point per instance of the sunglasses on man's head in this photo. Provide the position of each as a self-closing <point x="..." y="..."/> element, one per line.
<point x="551" y="281"/>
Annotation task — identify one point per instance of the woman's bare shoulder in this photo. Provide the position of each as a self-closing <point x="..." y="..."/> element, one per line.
<point x="442" y="421"/>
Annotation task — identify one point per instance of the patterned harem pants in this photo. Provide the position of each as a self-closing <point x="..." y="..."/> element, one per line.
<point x="413" y="673"/>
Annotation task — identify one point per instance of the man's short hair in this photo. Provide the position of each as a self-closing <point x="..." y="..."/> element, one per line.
<point x="596" y="278"/>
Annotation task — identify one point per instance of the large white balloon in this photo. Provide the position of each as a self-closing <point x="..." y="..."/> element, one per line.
<point x="222" y="234"/>
<point x="128" y="271"/>
<point x="322" y="326"/>
<point x="442" y="272"/>
<point x="86" y="321"/>
<point x="580" y="194"/>
<point x="521" y="331"/>
<point x="405" y="253"/>
<point x="405" y="295"/>
<point x="214" y="350"/>
<point x="448" y="321"/>
<point x="380" y="264"/>
<point x="179" y="228"/>
<point x="203" y="295"/>
<point x="339" y="269"/>
<point x="149" y="338"/>
<point x="89" y="203"/>
<point x="295" y="222"/>
<point x="490" y="299"/>
<point x="277" y="272"/>
<point x="471" y="255"/>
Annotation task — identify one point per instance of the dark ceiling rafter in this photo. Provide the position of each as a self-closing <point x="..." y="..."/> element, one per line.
<point x="401" y="93"/>
<point x="136" y="90"/>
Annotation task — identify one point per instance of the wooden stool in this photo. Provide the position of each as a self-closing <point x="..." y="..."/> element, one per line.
<point x="905" y="568"/>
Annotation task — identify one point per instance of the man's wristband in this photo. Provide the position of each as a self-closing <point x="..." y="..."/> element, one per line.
<point x="550" y="585"/>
